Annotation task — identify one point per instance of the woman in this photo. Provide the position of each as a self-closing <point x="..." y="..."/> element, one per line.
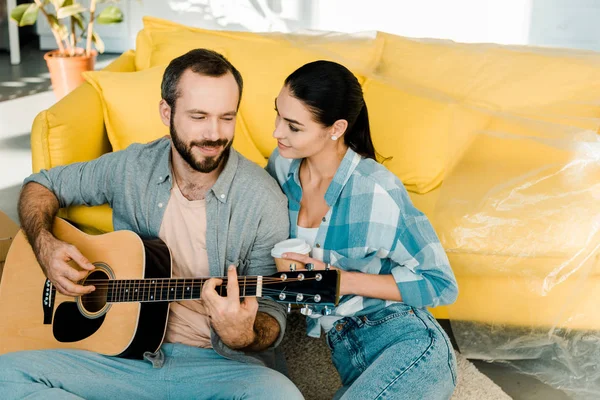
<point x="358" y="218"/>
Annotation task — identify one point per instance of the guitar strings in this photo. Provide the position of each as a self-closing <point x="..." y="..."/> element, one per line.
<point x="306" y="295"/>
<point x="180" y="280"/>
<point x="180" y="283"/>
<point x="267" y="291"/>
<point x="177" y="286"/>
<point x="273" y="292"/>
<point x="118" y="292"/>
<point x="240" y="279"/>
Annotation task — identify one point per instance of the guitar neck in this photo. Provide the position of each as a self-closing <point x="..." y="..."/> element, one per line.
<point x="172" y="289"/>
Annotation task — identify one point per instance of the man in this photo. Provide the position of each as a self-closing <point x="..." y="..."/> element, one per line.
<point x="213" y="208"/>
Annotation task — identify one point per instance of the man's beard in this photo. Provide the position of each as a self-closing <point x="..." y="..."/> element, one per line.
<point x="209" y="164"/>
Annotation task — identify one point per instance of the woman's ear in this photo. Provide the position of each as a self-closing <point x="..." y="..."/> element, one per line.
<point x="338" y="129"/>
<point x="165" y="112"/>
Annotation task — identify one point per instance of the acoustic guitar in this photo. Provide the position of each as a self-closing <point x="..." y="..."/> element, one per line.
<point x="127" y="313"/>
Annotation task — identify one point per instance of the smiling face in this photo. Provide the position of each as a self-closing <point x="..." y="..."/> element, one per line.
<point x="298" y="134"/>
<point x="202" y="122"/>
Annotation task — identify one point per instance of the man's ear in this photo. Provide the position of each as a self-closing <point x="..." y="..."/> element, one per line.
<point x="339" y="128"/>
<point x="165" y="112"/>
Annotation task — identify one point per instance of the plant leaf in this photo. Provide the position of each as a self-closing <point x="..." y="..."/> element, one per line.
<point x="58" y="3"/>
<point x="30" y="15"/>
<point x="25" y="14"/>
<point x="79" y="21"/>
<point x="98" y="42"/>
<point x="57" y="27"/>
<point x="17" y="13"/>
<point x="53" y="21"/>
<point x="69" y="11"/>
<point x="110" y="15"/>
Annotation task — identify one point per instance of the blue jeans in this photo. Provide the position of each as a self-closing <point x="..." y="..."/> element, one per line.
<point x="399" y="352"/>
<point x="188" y="373"/>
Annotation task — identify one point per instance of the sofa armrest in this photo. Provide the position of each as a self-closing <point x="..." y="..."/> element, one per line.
<point x="73" y="129"/>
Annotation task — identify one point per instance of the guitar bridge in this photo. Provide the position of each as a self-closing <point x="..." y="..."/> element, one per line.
<point x="48" y="295"/>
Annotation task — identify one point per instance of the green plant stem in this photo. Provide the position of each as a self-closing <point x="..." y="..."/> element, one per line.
<point x="73" y="36"/>
<point x="90" y="30"/>
<point x="61" y="48"/>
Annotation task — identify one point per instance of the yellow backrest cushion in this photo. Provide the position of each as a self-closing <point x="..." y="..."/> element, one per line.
<point x="130" y="103"/>
<point x="529" y="81"/>
<point x="422" y="131"/>
<point x="264" y="60"/>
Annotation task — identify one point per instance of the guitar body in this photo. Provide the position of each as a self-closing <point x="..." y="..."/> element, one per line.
<point x="127" y="314"/>
<point x="34" y="316"/>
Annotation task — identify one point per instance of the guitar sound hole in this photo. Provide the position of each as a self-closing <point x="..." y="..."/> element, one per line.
<point x="95" y="301"/>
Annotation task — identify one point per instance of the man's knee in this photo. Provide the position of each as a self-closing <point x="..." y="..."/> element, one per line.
<point x="14" y="367"/>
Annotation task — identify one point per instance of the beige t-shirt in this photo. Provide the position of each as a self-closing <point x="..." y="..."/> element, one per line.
<point x="183" y="229"/>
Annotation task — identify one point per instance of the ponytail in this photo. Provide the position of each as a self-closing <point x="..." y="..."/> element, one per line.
<point x="358" y="137"/>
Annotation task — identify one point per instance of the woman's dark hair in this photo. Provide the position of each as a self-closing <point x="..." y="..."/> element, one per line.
<point x="201" y="61"/>
<point x="332" y="92"/>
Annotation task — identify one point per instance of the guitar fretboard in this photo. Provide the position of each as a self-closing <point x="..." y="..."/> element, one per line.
<point x="151" y="290"/>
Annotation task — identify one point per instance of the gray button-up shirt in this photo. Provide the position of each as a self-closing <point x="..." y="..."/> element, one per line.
<point x="246" y="212"/>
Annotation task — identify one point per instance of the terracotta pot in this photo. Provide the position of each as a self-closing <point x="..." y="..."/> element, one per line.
<point x="65" y="72"/>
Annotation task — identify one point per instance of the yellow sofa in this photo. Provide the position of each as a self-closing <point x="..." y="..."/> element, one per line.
<point x="497" y="145"/>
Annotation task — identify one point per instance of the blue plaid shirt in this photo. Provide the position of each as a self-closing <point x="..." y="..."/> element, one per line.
<point x="372" y="227"/>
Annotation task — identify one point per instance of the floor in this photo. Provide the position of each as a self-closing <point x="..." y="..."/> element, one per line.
<point x="516" y="385"/>
<point x="24" y="93"/>
<point x="31" y="76"/>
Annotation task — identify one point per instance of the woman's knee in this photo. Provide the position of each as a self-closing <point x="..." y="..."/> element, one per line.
<point x="272" y="385"/>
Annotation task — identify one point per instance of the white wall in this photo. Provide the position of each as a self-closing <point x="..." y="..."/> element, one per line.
<point x="566" y="23"/>
<point x="563" y="23"/>
<point x="499" y="21"/>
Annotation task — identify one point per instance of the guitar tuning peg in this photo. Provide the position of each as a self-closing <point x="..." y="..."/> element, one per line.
<point x="326" y="311"/>
<point x="306" y="310"/>
<point x="310" y="266"/>
<point x="292" y="267"/>
<point x="289" y="308"/>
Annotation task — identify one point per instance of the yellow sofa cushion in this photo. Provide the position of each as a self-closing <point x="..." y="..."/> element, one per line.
<point x="61" y="136"/>
<point x="525" y="202"/>
<point x="130" y="104"/>
<point x="420" y="131"/>
<point x="264" y="60"/>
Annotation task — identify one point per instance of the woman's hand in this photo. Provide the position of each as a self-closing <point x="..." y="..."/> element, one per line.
<point x="319" y="265"/>
<point x="356" y="282"/>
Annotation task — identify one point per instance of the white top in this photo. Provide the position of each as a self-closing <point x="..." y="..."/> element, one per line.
<point x="308" y="234"/>
<point x="297" y="245"/>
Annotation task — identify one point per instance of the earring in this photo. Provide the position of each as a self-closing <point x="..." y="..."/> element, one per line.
<point x="334" y="138"/>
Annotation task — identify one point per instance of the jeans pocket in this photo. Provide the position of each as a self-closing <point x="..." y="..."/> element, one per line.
<point x="328" y="341"/>
<point x="451" y="356"/>
<point x="392" y="311"/>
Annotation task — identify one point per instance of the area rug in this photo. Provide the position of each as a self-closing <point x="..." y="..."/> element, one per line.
<point x="310" y="368"/>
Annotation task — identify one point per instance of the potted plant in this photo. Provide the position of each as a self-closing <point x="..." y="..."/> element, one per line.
<point x="70" y="22"/>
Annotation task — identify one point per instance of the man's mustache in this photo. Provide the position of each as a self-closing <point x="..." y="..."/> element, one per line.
<point x="210" y="143"/>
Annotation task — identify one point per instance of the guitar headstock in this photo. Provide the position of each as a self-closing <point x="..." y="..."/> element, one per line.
<point x="318" y="288"/>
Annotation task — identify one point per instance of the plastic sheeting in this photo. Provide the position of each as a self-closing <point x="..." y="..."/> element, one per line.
<point x="499" y="147"/>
